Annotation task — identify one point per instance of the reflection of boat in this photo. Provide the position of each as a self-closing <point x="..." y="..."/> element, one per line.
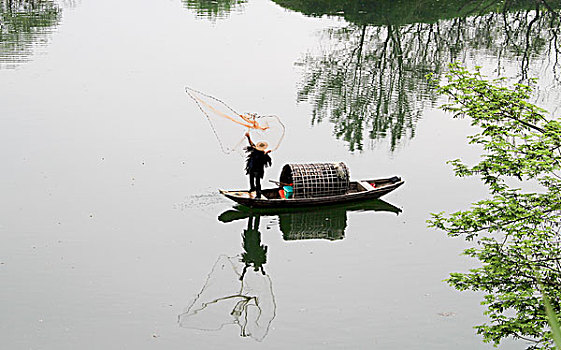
<point x="322" y="224"/>
<point x="326" y="222"/>
<point x="316" y="184"/>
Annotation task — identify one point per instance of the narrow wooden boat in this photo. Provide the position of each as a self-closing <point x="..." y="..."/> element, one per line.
<point x="356" y="191"/>
<point x="241" y="212"/>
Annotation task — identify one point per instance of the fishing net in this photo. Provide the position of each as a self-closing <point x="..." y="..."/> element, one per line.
<point x="230" y="127"/>
<point x="230" y="296"/>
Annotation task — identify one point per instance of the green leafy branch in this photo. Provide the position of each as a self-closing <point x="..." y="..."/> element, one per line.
<point x="515" y="234"/>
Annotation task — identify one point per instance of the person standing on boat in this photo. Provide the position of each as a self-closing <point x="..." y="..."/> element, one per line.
<point x="257" y="160"/>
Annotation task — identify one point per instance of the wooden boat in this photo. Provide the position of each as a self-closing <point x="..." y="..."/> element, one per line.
<point x="356" y="191"/>
<point x="241" y="212"/>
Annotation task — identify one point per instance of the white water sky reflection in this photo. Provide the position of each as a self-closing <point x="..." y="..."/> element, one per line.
<point x="109" y="204"/>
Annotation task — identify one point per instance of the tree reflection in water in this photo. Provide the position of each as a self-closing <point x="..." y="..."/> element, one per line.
<point x="369" y="79"/>
<point x="236" y="294"/>
<point x="364" y="84"/>
<point x="213" y="9"/>
<point x="24" y="24"/>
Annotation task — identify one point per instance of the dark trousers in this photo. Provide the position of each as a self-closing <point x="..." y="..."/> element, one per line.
<point x="255" y="183"/>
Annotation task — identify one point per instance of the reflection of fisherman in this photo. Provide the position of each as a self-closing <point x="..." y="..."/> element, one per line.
<point x="230" y="296"/>
<point x="255" y="253"/>
<point x="257" y="159"/>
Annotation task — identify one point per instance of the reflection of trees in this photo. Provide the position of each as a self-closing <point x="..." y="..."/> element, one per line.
<point x="369" y="80"/>
<point x="529" y="37"/>
<point x="212" y="9"/>
<point x="24" y="23"/>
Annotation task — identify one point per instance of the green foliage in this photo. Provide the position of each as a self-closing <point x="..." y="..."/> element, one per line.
<point x="553" y="322"/>
<point x="515" y="233"/>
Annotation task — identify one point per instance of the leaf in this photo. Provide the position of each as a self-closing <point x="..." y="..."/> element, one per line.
<point x="553" y="322"/>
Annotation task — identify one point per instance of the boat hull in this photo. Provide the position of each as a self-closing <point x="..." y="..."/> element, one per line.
<point x="243" y="197"/>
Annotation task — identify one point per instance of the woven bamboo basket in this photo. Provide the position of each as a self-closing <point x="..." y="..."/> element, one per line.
<point x="316" y="179"/>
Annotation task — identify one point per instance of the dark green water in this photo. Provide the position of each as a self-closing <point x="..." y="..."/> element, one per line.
<point x="114" y="234"/>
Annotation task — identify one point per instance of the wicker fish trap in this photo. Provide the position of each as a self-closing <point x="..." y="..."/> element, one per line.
<point x="317" y="179"/>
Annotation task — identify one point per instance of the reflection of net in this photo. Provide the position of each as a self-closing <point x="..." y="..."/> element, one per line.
<point x="224" y="299"/>
<point x="230" y="126"/>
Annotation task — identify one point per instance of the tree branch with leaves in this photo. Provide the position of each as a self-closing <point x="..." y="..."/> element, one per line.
<point x="515" y="233"/>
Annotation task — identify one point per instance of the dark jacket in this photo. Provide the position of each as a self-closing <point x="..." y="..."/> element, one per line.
<point x="256" y="162"/>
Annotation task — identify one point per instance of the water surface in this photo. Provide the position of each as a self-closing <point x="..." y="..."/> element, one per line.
<point x="111" y="220"/>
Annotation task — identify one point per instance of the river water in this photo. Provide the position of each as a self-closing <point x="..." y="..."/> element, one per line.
<point x="114" y="235"/>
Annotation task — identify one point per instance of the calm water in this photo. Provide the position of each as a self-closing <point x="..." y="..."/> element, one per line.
<point x="114" y="235"/>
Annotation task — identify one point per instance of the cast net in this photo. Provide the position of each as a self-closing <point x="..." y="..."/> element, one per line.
<point x="230" y="127"/>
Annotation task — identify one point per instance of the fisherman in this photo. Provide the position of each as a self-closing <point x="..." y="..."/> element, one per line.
<point x="257" y="160"/>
